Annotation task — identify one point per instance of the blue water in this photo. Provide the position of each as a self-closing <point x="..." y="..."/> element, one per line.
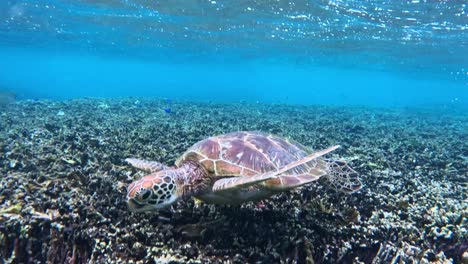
<point x="393" y="53"/>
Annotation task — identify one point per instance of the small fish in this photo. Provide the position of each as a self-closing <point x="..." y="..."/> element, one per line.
<point x="167" y="110"/>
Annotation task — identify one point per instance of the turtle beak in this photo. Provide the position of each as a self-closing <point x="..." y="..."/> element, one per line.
<point x="133" y="206"/>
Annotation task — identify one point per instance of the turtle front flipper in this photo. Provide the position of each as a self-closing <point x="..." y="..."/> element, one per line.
<point x="145" y="165"/>
<point x="342" y="177"/>
<point x="287" y="182"/>
<point x="336" y="173"/>
<point x="242" y="181"/>
<point x="310" y="172"/>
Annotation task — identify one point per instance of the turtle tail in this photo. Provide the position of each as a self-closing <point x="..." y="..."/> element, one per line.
<point x="342" y="177"/>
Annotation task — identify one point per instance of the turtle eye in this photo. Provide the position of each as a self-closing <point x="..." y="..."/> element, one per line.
<point x="146" y="195"/>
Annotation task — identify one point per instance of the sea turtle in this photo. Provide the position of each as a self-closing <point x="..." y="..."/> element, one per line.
<point x="236" y="168"/>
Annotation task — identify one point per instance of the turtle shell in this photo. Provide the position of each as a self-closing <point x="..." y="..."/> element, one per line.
<point x="245" y="154"/>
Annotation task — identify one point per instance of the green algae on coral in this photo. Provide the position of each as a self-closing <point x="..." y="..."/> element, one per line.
<point x="14" y="209"/>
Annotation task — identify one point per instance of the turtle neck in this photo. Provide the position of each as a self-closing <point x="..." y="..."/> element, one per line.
<point x="192" y="179"/>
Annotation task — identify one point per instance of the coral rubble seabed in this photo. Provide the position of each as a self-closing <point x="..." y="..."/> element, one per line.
<point x="63" y="185"/>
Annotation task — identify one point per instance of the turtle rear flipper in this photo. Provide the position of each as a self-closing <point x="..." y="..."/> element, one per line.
<point x="341" y="177"/>
<point x="241" y="182"/>
<point x="146" y="165"/>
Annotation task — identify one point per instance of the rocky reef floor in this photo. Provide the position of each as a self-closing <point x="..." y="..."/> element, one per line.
<point x="63" y="183"/>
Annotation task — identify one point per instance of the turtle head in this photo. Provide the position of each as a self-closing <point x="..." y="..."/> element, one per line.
<point x="152" y="192"/>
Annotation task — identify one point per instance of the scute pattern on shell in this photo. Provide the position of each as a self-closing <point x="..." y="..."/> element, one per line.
<point x="246" y="154"/>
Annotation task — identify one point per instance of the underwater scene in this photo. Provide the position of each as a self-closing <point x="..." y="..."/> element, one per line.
<point x="220" y="131"/>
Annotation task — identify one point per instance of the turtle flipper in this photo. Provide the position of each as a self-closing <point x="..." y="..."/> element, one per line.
<point x="305" y="159"/>
<point x="145" y="165"/>
<point x="240" y="182"/>
<point x="314" y="171"/>
<point x="336" y="173"/>
<point x="341" y="177"/>
<point x="288" y="182"/>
